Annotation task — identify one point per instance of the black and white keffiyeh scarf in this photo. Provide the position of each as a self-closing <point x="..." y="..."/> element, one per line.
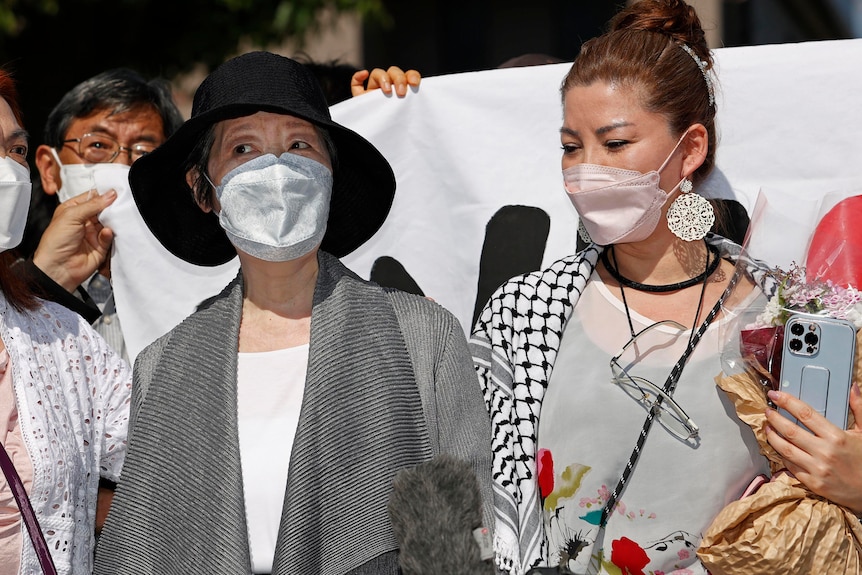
<point x="514" y="345"/>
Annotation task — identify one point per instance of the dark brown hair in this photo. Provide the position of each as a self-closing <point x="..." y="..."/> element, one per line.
<point x="643" y="51"/>
<point x="16" y="291"/>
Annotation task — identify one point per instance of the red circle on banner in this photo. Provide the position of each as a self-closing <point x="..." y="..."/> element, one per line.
<point x="835" y="252"/>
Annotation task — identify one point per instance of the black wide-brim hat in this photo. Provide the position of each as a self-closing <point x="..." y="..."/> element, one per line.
<point x="363" y="183"/>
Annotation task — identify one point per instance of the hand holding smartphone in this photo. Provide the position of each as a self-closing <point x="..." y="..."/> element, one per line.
<point x="817" y="364"/>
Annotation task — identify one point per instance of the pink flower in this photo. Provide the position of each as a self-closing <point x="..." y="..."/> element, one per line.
<point x="604" y="493"/>
<point x="814" y="295"/>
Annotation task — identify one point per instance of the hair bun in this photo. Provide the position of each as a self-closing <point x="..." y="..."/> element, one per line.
<point x="673" y="18"/>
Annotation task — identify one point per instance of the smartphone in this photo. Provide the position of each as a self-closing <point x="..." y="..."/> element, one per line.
<point x="817" y="364"/>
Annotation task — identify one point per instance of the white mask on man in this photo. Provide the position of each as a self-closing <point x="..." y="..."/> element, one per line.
<point x="75" y="179"/>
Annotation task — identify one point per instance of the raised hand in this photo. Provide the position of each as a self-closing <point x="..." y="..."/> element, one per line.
<point x="828" y="460"/>
<point x="364" y="81"/>
<point x="75" y="244"/>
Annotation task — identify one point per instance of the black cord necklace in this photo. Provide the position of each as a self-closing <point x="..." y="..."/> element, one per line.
<point x="710" y="269"/>
<point x="703" y="277"/>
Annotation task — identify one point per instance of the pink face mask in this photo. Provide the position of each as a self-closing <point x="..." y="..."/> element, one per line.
<point x="617" y="205"/>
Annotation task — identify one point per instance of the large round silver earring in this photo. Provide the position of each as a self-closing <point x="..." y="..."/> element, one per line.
<point x="690" y="216"/>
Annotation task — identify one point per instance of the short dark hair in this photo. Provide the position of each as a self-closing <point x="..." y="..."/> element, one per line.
<point x="118" y="90"/>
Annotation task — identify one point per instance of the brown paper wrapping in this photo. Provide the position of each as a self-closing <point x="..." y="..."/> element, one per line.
<point x="783" y="527"/>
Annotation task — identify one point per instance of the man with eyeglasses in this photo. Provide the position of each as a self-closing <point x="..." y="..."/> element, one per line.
<point x="94" y="134"/>
<point x="92" y="137"/>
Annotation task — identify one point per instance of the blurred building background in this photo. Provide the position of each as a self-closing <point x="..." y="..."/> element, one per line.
<point x="445" y="36"/>
<point x="448" y="36"/>
<point x="53" y="45"/>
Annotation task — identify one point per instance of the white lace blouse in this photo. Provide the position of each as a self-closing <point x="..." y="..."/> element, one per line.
<point x="72" y="393"/>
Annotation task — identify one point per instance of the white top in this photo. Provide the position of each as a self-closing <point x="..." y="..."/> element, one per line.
<point x="590" y="426"/>
<point x="269" y="395"/>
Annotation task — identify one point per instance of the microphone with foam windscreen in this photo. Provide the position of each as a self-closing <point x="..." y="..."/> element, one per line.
<point x="436" y="512"/>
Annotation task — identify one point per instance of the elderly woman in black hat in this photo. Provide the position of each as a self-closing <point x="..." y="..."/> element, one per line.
<point x="267" y="427"/>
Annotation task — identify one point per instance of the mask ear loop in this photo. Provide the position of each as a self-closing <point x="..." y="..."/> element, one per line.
<point x="199" y="201"/>
<point x="56" y="156"/>
<point x="209" y="181"/>
<point x="667" y="161"/>
<point x="90" y="193"/>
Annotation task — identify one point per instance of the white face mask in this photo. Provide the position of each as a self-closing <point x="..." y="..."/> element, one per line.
<point x="617" y="205"/>
<point x="275" y="208"/>
<point x="15" y="189"/>
<point x="79" y="178"/>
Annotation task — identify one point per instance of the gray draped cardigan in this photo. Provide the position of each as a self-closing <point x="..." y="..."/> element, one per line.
<point x="390" y="384"/>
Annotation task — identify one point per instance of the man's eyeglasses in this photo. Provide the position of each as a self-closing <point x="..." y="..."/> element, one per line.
<point x="102" y="149"/>
<point x="667" y="411"/>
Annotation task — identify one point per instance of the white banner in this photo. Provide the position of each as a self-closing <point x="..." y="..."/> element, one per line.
<point x="480" y="196"/>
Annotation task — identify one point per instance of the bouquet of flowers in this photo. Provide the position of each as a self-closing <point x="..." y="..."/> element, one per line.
<point x="761" y="341"/>
<point x="781" y="526"/>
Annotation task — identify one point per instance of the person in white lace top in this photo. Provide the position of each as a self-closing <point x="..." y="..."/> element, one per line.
<point x="64" y="394"/>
